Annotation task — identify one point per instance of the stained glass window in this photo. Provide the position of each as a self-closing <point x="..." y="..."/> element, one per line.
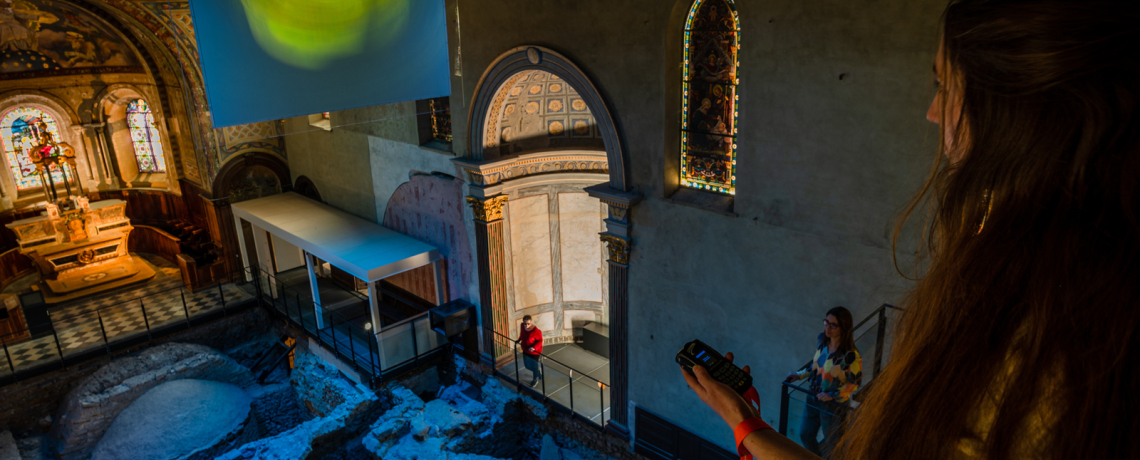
<point x="19" y="129"/>
<point x="440" y="118"/>
<point x="708" y="105"/>
<point x="144" y="136"/>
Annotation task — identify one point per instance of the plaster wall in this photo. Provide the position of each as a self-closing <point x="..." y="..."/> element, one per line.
<point x="336" y="161"/>
<point x="824" y="164"/>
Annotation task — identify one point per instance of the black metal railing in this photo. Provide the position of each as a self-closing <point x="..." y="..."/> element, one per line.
<point x="374" y="355"/>
<point x="863" y="336"/>
<point x="560" y="382"/>
<point x="67" y="338"/>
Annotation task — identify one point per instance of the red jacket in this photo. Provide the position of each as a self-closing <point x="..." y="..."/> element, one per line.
<point x="531" y="338"/>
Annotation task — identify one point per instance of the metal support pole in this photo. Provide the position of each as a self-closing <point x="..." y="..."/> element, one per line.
<point x="571" y="387"/>
<point x="518" y="378"/>
<point x="542" y="367"/>
<point x="60" y="349"/>
<point x="415" y="344"/>
<point x="784" y="400"/>
<point x="352" y="348"/>
<point x="602" y="404"/>
<point x="336" y="349"/>
<point x="101" y="329"/>
<point x="223" y="296"/>
<point x="146" y="321"/>
<point x="11" y="367"/>
<point x="185" y="309"/>
<point x="880" y="337"/>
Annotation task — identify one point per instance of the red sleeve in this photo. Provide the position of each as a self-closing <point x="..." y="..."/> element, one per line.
<point x="536" y="337"/>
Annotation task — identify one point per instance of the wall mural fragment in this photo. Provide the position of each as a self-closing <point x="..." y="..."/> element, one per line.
<point x="46" y="38"/>
<point x="255" y="182"/>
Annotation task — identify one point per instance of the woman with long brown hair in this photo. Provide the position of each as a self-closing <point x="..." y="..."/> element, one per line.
<point x="1028" y="313"/>
<point x="835" y="372"/>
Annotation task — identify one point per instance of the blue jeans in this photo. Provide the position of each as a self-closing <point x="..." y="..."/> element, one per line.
<point x="531" y="364"/>
<point x="819" y="414"/>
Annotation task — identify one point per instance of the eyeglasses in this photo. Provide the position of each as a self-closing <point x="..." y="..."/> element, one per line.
<point x="829" y="323"/>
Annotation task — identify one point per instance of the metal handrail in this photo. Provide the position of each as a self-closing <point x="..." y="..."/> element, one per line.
<point x="880" y="330"/>
<point x="549" y="358"/>
<point x="52" y="320"/>
<point x="121" y="340"/>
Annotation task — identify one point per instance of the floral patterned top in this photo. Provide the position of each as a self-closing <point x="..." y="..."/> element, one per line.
<point x="837" y="374"/>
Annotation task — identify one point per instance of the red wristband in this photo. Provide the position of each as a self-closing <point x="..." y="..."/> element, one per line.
<point x="744" y="429"/>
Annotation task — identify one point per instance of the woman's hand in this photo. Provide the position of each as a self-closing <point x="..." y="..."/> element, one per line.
<point x="823" y="397"/>
<point x="792" y="377"/>
<point x="720" y="397"/>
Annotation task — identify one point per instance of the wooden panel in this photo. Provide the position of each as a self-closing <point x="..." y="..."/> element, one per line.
<point x="155" y="241"/>
<point x="660" y="439"/>
<point x="12" y="266"/>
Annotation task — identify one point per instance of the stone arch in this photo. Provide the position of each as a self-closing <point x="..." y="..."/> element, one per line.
<point x="233" y="172"/>
<point x="508" y="66"/>
<point x="307" y="188"/>
<point x="69" y="129"/>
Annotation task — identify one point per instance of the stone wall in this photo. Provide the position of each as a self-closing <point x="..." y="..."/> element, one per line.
<point x="92" y="405"/>
<point x="318" y="384"/>
<point x="24" y="404"/>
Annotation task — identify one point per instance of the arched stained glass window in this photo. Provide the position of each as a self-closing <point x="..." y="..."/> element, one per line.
<point x="708" y="110"/>
<point x="144" y="136"/>
<point x="19" y="130"/>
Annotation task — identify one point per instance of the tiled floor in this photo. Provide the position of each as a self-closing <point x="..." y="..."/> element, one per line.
<point x="582" y="393"/>
<point x="92" y="322"/>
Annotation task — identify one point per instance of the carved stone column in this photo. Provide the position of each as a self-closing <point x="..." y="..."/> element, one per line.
<point x="618" y="240"/>
<point x="492" y="271"/>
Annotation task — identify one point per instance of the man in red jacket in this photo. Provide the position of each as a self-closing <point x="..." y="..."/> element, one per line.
<point x="530" y="340"/>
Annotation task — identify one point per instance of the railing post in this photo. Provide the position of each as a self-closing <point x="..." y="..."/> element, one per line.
<point x="101" y="329"/>
<point x="185" y="309"/>
<point x="784" y="400"/>
<point x="146" y="321"/>
<point x="373" y="353"/>
<point x="518" y="378"/>
<point x="880" y="337"/>
<point x="542" y="367"/>
<point x="352" y="348"/>
<point x="222" y="294"/>
<point x="601" y="403"/>
<point x="336" y="349"/>
<point x="11" y="367"/>
<point x="415" y="344"/>
<point x="571" y="386"/>
<point x="60" y="350"/>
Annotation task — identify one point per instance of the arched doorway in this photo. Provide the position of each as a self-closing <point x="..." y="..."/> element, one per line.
<point x="547" y="171"/>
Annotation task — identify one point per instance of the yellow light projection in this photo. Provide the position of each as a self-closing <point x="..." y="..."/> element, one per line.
<point x="308" y="34"/>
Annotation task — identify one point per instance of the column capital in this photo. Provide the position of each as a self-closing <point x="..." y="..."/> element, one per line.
<point x="619" y="248"/>
<point x="487" y="210"/>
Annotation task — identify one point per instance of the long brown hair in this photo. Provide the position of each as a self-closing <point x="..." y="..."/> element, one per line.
<point x="846" y="327"/>
<point x="1029" y="322"/>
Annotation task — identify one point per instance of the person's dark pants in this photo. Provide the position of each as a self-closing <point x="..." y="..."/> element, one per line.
<point x="820" y="414"/>
<point x="531" y="364"/>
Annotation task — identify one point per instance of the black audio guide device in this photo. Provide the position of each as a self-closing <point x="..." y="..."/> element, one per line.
<point x="696" y="353"/>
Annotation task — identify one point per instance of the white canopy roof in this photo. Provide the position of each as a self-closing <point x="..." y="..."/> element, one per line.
<point x="366" y="250"/>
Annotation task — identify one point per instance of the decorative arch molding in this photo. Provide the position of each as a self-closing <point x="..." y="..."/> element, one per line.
<point x="47" y="101"/>
<point x="505" y="67"/>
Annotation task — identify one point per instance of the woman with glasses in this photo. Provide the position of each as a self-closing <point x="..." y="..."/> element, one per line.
<point x="836" y="371"/>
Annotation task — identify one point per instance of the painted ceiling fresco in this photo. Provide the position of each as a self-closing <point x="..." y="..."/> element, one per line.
<point x="44" y="38"/>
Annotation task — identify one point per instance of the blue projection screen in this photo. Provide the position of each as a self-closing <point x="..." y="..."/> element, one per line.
<point x="270" y="59"/>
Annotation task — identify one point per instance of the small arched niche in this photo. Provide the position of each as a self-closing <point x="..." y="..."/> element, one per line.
<point x="536" y="110"/>
<point x="117" y="108"/>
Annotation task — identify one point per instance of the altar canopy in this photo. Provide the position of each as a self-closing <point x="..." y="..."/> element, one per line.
<point x="364" y="249"/>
